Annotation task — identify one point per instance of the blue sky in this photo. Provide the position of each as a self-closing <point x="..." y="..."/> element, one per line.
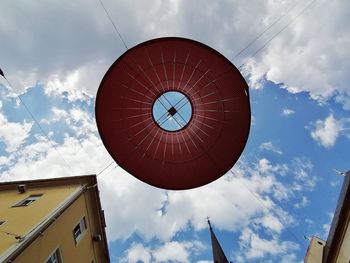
<point x="282" y="188"/>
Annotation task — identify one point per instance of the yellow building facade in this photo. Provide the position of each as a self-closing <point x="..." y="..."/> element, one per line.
<point x="52" y="221"/>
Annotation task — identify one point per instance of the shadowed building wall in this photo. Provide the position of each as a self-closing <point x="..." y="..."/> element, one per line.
<point x="336" y="249"/>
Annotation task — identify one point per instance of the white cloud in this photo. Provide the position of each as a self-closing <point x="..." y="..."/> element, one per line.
<point x="57" y="115"/>
<point x="41" y="160"/>
<point x="68" y="58"/>
<point x="254" y="247"/>
<point x="163" y="213"/>
<point x="343" y="99"/>
<point x="302" y="171"/>
<point x="299" y="169"/>
<point x="176" y="251"/>
<point x="265" y="165"/>
<point x="268" y="146"/>
<point x="290" y="258"/>
<point x="318" y="74"/>
<point x="79" y="84"/>
<point x="271" y="222"/>
<point x="71" y="59"/>
<point x="45" y="159"/>
<point x="172" y="251"/>
<point x="3" y="161"/>
<point x="309" y="41"/>
<point x="13" y="134"/>
<point x="137" y="253"/>
<point x="327" y="131"/>
<point x="303" y="203"/>
<point x="77" y="120"/>
<point x="173" y="211"/>
<point x="287" y="112"/>
<point x="169" y="211"/>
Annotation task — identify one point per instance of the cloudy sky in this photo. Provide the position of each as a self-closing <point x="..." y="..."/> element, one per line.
<point x="55" y="53"/>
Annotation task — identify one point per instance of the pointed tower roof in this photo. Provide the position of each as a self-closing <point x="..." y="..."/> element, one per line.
<point x="218" y="253"/>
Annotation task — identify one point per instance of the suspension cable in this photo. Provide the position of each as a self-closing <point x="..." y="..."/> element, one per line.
<point x="114" y="25"/>
<point x="36" y="121"/>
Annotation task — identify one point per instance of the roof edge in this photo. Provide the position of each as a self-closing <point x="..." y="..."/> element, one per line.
<point x="339" y="222"/>
<point x="81" y="179"/>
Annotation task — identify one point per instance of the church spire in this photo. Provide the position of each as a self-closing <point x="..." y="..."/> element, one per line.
<point x="218" y="253"/>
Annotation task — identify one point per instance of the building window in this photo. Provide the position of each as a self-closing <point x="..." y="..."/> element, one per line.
<point x="55" y="257"/>
<point x="30" y="199"/>
<point x="79" y="230"/>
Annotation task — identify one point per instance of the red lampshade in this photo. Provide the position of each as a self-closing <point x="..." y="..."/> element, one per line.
<point x="202" y="122"/>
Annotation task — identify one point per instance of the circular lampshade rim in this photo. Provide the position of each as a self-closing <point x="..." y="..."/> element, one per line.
<point x="243" y="137"/>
